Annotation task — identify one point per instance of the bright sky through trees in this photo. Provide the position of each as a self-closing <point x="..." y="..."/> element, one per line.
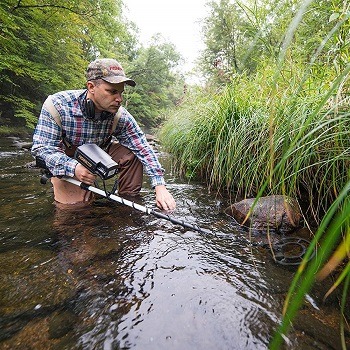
<point x="177" y="21"/>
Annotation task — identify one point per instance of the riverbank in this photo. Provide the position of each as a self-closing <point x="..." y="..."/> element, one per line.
<point x="18" y="131"/>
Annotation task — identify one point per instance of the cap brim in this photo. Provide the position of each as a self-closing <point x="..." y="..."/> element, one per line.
<point x="118" y="79"/>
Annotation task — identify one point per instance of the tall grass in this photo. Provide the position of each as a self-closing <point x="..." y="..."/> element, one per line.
<point x="242" y="138"/>
<point x="334" y="227"/>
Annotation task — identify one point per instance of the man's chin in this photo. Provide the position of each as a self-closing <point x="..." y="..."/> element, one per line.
<point x="114" y="109"/>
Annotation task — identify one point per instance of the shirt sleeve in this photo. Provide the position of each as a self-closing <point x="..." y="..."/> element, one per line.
<point x="130" y="135"/>
<point x="46" y="144"/>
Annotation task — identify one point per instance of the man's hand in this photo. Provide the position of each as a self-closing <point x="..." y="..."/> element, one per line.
<point x="164" y="199"/>
<point x="84" y="175"/>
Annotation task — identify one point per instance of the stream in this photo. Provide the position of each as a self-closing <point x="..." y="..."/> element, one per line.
<point x="110" y="277"/>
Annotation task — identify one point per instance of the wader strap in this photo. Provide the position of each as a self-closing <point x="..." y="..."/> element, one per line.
<point x="49" y="106"/>
<point x="116" y="119"/>
<point x="56" y="116"/>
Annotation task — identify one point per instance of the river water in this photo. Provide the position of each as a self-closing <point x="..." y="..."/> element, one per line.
<point x="109" y="277"/>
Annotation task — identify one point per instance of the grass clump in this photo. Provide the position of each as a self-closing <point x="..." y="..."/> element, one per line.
<point x="256" y="136"/>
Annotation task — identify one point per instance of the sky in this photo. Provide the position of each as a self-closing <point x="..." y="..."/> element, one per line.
<point x="177" y="21"/>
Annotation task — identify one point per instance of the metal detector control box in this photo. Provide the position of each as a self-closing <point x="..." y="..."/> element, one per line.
<point x="96" y="160"/>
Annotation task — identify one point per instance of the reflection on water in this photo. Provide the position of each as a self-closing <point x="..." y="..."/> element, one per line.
<point x="107" y="277"/>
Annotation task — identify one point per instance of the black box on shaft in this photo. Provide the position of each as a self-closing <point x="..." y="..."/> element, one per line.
<point x="96" y="160"/>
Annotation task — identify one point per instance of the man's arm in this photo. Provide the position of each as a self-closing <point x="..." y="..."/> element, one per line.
<point x="131" y="136"/>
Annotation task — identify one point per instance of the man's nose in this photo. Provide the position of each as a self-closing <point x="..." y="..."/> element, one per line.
<point x="118" y="97"/>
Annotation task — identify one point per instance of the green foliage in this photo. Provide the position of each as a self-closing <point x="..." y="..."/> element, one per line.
<point x="46" y="47"/>
<point x="225" y="34"/>
<point x="158" y="84"/>
<point x="238" y="137"/>
<point x="182" y="130"/>
<point x="242" y="36"/>
<point x="284" y="127"/>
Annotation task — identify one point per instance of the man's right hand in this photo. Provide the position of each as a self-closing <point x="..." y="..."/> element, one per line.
<point x="84" y="175"/>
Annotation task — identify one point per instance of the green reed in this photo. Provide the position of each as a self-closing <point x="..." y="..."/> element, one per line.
<point x="241" y="138"/>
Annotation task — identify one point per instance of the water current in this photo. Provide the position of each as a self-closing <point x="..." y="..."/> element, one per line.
<point x="109" y="277"/>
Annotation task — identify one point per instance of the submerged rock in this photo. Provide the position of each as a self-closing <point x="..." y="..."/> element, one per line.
<point x="61" y="323"/>
<point x="32" y="281"/>
<point x="277" y="212"/>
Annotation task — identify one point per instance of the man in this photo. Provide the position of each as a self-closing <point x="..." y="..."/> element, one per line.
<point x="94" y="115"/>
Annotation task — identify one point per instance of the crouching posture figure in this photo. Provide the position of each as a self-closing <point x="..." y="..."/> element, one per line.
<point x="71" y="118"/>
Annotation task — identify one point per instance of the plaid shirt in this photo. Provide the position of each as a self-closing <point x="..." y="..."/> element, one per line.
<point x="47" y="139"/>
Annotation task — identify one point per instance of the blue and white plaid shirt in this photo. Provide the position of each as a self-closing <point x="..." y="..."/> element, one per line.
<point x="47" y="139"/>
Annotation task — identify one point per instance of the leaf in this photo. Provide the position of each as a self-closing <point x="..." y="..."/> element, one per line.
<point x="338" y="256"/>
<point x="333" y="17"/>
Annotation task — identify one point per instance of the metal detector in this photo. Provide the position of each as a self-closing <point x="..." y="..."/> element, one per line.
<point x="100" y="163"/>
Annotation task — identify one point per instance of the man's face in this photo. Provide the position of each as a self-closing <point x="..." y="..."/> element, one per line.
<point x="106" y="96"/>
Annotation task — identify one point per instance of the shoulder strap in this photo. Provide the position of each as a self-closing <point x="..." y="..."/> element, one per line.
<point x="49" y="106"/>
<point x="116" y="119"/>
<point x="107" y="141"/>
<point x="56" y="116"/>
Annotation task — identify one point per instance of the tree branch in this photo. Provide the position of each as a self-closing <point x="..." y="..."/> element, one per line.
<point x="19" y="6"/>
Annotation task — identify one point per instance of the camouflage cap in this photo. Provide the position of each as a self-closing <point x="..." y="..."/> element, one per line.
<point x="109" y="70"/>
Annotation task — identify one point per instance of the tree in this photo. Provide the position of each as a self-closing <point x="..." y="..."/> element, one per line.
<point x="234" y="35"/>
<point x="159" y="86"/>
<point x="47" y="45"/>
<point x="243" y="36"/>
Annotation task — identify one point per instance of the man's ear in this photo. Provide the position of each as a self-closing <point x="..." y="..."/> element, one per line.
<point x="90" y="86"/>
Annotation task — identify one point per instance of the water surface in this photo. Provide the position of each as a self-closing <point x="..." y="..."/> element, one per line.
<point x="109" y="277"/>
